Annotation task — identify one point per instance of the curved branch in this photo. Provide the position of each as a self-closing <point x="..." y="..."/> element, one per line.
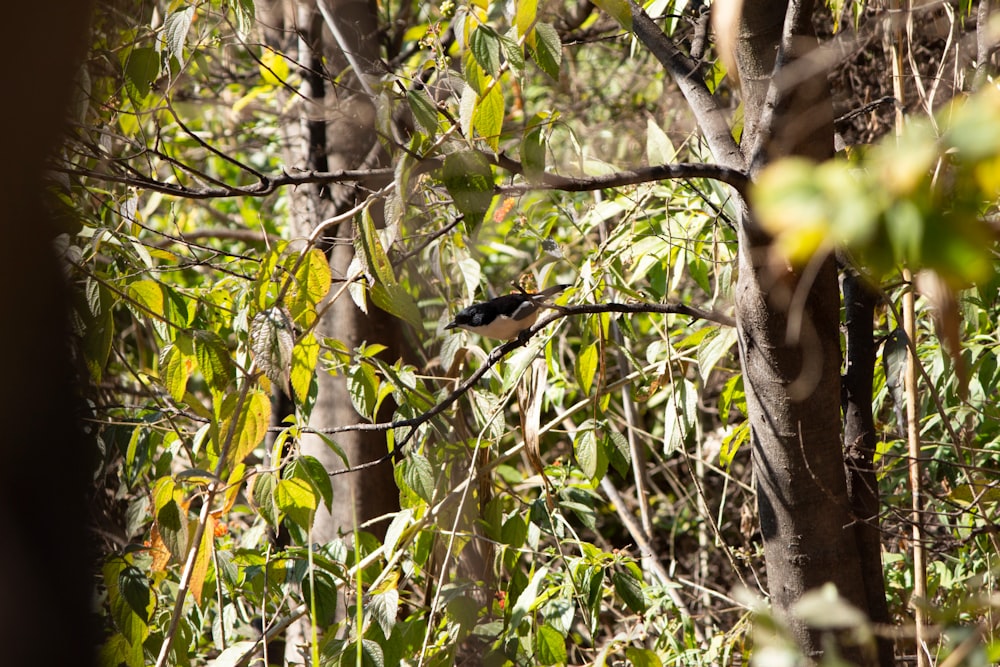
<point x="263" y="187"/>
<point x="685" y="72"/>
<point x="728" y="175"/>
<point x="503" y="350"/>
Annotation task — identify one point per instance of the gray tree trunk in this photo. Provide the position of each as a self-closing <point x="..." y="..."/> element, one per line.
<point x="788" y="325"/>
<point x="331" y="126"/>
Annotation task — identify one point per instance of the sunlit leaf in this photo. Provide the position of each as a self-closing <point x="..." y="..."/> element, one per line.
<point x="250" y="426"/>
<point x="550" y="646"/>
<point x="419" y="476"/>
<point x="488" y="116"/>
<point x="203" y="559"/>
<point x="297" y="500"/>
<point x="586" y="367"/>
<point x="305" y="355"/>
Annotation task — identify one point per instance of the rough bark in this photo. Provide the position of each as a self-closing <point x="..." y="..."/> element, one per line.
<point x="860" y="439"/>
<point x="333" y="127"/>
<point x="788" y="326"/>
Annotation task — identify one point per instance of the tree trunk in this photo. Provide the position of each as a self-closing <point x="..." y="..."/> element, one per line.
<point x="859" y="446"/>
<point x="332" y="126"/>
<point x="788" y="326"/>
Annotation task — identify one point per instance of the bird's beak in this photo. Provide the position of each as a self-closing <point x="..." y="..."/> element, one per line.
<point x="450" y="325"/>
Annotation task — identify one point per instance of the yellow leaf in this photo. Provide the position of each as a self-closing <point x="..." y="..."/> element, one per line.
<point x="200" y="568"/>
<point x="304" y="358"/>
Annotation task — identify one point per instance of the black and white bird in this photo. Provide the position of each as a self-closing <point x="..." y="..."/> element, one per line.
<point x="505" y="317"/>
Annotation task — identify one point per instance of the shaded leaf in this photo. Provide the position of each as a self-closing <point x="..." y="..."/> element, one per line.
<point x="469" y="179"/>
<point x="547" y="50"/>
<point x="423" y="110"/>
<point x="213" y="359"/>
<point x="485" y="46"/>
<point x="629" y="589"/>
<point x="272" y="339"/>
<point x="175" y="30"/>
<point x="419" y="476"/>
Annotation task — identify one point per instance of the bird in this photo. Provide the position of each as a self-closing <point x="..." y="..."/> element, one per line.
<point x="505" y="317"/>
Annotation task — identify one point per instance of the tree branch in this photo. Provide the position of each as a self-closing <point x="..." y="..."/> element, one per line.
<point x="728" y="175"/>
<point x="685" y="72"/>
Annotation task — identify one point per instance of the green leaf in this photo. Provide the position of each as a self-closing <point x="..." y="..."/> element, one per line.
<point x="100" y="328"/>
<point x="512" y="52"/>
<point x="271" y="342"/>
<point x="469" y="179"/>
<point x="297" y="500"/>
<point x="149" y="295"/>
<point x="213" y="359"/>
<point x="171" y="521"/>
<point x="514" y="531"/>
<point x="423" y="110"/>
<point x="305" y="356"/>
<point x="619" y="454"/>
<point x="586" y="367"/>
<point x="142" y="66"/>
<point x="680" y="415"/>
<point x="533" y="153"/>
<point x="629" y="588"/>
<point x="547" y="50"/>
<point x="362" y="386"/>
<point x="485" y="46"/>
<point x="732" y="396"/>
<point x="320" y="593"/>
<point x="585" y="449"/>
<point x="526" y="600"/>
<point x="311" y="470"/>
<point x="371" y="252"/>
<point x="714" y="347"/>
<point x="659" y="149"/>
<point x="384" y="606"/>
<point x="732" y="443"/>
<point x="263" y="497"/>
<point x="396" y="301"/>
<point x="419" y="476"/>
<point x="621" y="10"/>
<point x="244" y="10"/>
<point x="550" y="646"/>
<point x="642" y="657"/>
<point x="135" y="589"/>
<point x="488" y="116"/>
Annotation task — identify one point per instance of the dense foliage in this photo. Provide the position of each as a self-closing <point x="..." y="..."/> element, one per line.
<point x="599" y="470"/>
